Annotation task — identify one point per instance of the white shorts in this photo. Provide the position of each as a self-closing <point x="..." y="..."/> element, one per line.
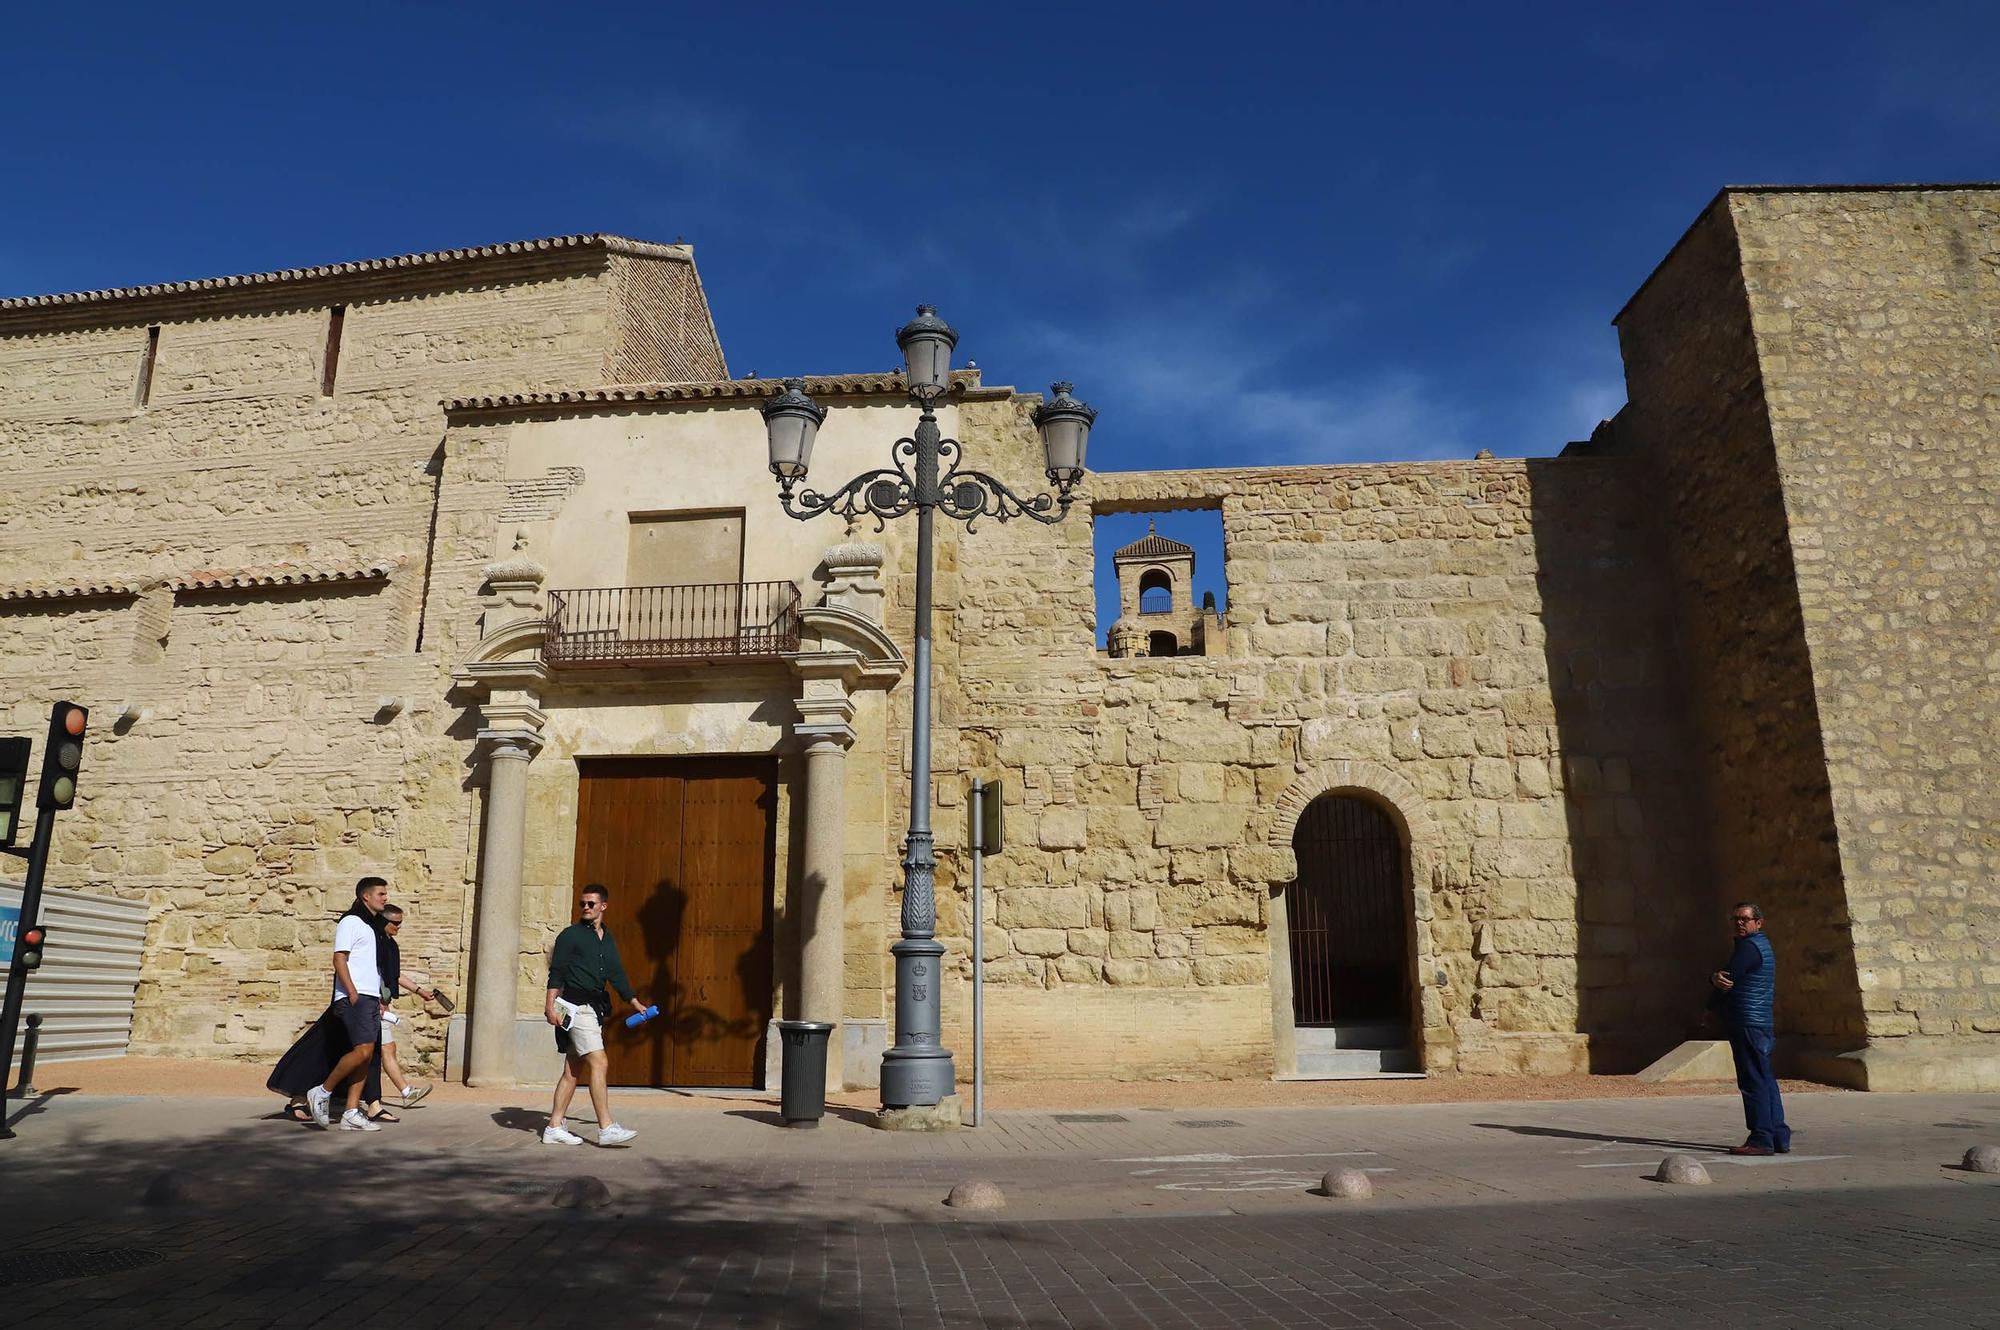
<point x="586" y="1034"/>
<point x="388" y="1029"/>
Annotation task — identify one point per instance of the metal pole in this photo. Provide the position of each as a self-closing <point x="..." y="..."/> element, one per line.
<point x="30" y="1042"/>
<point x="17" y="977"/>
<point x="977" y="804"/>
<point x="918" y="1069"/>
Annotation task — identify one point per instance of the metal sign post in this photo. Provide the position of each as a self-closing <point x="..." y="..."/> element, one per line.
<point x="978" y="955"/>
<point x="17" y="970"/>
<point x="984" y="836"/>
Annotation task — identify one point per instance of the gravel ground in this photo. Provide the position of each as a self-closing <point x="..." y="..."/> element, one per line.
<point x="179" y="1077"/>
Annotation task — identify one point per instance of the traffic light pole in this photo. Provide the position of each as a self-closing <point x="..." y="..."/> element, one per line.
<point x="17" y="974"/>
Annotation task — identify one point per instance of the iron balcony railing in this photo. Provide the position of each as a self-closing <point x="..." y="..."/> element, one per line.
<point x="625" y="625"/>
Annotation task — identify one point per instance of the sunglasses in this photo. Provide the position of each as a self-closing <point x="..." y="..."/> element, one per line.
<point x="1744" y="918"/>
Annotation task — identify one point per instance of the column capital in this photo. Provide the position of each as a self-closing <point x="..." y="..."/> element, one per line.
<point x="521" y="744"/>
<point x="822" y="737"/>
<point x="825" y="708"/>
<point x="512" y="710"/>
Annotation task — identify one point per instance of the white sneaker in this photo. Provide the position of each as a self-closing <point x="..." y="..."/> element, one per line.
<point x="560" y="1136"/>
<point x="318" y="1103"/>
<point x="614" y="1135"/>
<point x="355" y="1120"/>
<point x="412" y="1094"/>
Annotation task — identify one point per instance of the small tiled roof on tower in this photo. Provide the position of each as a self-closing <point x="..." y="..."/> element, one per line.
<point x="1153" y="545"/>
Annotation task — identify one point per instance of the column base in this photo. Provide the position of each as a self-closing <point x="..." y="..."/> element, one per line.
<point x="534" y="1060"/>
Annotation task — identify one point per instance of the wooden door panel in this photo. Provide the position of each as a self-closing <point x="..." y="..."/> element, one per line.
<point x="628" y="838"/>
<point x="687" y="846"/>
<point x="726" y="974"/>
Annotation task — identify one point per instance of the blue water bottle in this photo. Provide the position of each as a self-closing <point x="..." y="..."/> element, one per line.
<point x="639" y="1018"/>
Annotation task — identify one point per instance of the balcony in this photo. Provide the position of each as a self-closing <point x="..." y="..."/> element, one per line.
<point x="637" y="625"/>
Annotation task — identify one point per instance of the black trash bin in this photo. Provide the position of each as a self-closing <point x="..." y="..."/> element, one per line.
<point x="803" y="1098"/>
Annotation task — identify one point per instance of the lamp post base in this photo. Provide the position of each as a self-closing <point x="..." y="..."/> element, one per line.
<point x="941" y="1116"/>
<point x="917" y="1071"/>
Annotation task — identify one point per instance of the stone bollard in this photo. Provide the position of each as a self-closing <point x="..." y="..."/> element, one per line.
<point x="977" y="1194"/>
<point x="174" y="1188"/>
<point x="1983" y="1159"/>
<point x="1347" y="1184"/>
<point x="582" y="1193"/>
<point x="1684" y="1170"/>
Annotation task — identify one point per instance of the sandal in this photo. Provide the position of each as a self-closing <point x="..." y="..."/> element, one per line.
<point x="298" y="1113"/>
<point x="383" y="1115"/>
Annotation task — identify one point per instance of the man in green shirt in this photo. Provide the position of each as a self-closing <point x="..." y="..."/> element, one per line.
<point x="584" y="960"/>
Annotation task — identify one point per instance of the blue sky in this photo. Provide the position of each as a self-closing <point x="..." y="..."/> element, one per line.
<point x="1259" y="232"/>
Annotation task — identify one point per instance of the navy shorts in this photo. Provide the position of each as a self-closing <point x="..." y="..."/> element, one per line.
<point x="362" y="1019"/>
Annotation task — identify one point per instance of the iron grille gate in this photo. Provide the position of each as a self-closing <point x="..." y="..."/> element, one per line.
<point x="1349" y="936"/>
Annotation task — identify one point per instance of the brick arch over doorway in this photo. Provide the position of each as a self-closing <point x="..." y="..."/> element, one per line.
<point x="1397" y="797"/>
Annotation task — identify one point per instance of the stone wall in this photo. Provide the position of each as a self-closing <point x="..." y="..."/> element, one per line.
<point x="1403" y="625"/>
<point x="1876" y="315"/>
<point x="1699" y="420"/>
<point x="270" y="548"/>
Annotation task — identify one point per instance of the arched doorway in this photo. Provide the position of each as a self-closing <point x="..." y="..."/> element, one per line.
<point x="1162" y="644"/>
<point x="1348" y="925"/>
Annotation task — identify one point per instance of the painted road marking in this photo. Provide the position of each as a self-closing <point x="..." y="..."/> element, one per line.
<point x="1229" y="1172"/>
<point x="1740" y="1160"/>
<point x="1231" y="1159"/>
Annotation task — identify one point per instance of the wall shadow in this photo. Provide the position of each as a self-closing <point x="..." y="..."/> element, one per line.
<point x="1622" y="761"/>
<point x="1699" y="429"/>
<point x="1694" y="774"/>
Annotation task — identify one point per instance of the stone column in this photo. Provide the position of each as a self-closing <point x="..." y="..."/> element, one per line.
<point x="822" y="904"/>
<point x="497" y="908"/>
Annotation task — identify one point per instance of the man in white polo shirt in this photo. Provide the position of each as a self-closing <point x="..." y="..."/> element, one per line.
<point x="357" y="1004"/>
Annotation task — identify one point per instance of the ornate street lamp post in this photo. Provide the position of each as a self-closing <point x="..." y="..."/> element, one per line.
<point x="918" y="1069"/>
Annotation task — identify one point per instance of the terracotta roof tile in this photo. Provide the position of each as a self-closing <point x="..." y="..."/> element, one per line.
<point x="1153" y="545"/>
<point x="74" y="591"/>
<point x="825" y="385"/>
<point x="208" y="579"/>
<point x="429" y="259"/>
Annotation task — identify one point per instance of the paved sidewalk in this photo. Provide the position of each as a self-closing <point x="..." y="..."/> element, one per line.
<point x="1513" y="1214"/>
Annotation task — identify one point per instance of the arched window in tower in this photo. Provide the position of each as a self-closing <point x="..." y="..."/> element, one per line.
<point x="1156" y="592"/>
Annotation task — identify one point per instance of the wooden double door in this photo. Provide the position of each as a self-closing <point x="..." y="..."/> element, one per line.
<point x="687" y="847"/>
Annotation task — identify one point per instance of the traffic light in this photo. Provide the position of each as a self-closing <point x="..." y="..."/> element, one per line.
<point x="61" y="756"/>
<point x="13" y="785"/>
<point x="28" y="947"/>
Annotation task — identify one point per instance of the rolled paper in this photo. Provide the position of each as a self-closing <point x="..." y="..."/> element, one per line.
<point x="639" y="1018"/>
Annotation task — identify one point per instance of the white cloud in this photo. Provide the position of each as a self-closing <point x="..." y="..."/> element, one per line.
<point x="1204" y="384"/>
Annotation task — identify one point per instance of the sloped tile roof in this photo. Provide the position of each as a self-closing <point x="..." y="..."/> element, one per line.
<point x="278" y="575"/>
<point x="428" y="259"/>
<point x="71" y="591"/>
<point x="826" y="385"/>
<point x="1153" y="545"/>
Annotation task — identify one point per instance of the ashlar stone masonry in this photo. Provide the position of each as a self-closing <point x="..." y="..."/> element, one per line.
<point x="300" y="541"/>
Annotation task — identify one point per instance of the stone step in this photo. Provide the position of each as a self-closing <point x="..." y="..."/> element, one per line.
<point x="1326" y="1038"/>
<point x="1339" y="1064"/>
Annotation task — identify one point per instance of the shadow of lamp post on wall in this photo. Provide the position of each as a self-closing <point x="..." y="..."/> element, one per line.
<point x="917" y="1069"/>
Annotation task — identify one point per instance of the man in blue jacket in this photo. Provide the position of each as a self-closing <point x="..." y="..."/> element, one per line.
<point x="1743" y="994"/>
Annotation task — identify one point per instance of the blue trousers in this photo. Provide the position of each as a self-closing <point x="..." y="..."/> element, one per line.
<point x="1763" y="1110"/>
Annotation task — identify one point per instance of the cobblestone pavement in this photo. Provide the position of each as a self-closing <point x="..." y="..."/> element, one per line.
<point x="1485" y="1216"/>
